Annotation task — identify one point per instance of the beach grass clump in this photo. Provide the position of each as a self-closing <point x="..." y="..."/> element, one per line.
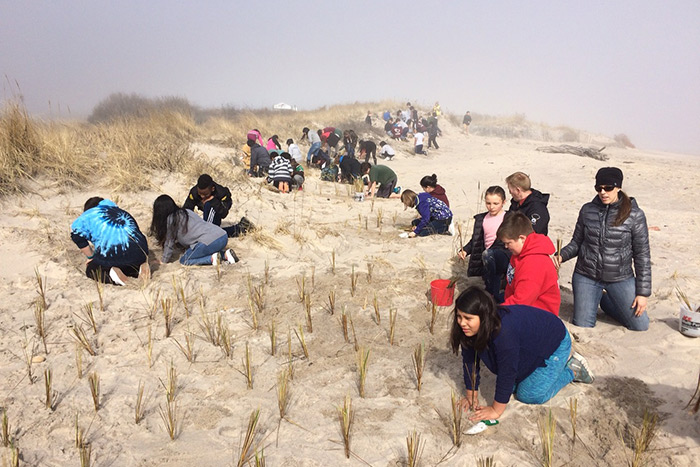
<point x="642" y="439"/>
<point x="166" y="305"/>
<point x="302" y="341"/>
<point x="85" y="452"/>
<point x="362" y="366"/>
<point x="247" y="367"/>
<point x="88" y="316"/>
<point x="345" y="417"/>
<point x="82" y="339"/>
<point x="20" y="147"/>
<point x="283" y="392"/>
<point x="187" y="348"/>
<point x="170" y="385"/>
<point x="246" y="450"/>
<point x="547" y="425"/>
<point x="414" y="448"/>
<point x="333" y="262"/>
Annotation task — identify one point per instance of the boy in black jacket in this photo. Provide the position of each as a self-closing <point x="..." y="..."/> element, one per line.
<point x="214" y="201"/>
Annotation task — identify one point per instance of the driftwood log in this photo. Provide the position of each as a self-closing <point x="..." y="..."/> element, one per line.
<point x="593" y="153"/>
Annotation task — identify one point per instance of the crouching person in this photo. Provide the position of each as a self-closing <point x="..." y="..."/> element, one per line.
<point x="528" y="349"/>
<point x="111" y="240"/>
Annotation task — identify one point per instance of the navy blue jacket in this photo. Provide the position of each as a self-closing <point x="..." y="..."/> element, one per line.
<point x="528" y="337"/>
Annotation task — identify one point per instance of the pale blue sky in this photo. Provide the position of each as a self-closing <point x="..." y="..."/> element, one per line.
<point x="608" y="66"/>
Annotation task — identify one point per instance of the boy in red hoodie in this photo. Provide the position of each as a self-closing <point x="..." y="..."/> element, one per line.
<point x="532" y="277"/>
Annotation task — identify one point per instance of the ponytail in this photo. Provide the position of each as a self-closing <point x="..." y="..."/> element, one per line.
<point x="624" y="210"/>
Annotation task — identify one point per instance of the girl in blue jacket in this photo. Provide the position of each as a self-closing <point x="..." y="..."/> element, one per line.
<point x="435" y="216"/>
<point x="525" y="347"/>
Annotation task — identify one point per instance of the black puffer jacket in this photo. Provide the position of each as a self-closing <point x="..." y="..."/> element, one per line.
<point x="605" y="253"/>
<point x="476" y="247"/>
<point x="535" y="208"/>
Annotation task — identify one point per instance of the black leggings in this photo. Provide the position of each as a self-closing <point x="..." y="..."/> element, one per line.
<point x="100" y="272"/>
<point x="432" y="140"/>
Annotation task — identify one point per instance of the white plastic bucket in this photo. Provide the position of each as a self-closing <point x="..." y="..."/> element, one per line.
<point x="689" y="323"/>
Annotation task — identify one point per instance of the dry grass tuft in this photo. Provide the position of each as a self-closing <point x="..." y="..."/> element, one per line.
<point x="456" y="420"/>
<point x="345" y="417"/>
<point x="547" y="429"/>
<point x="362" y="366"/>
<point x="414" y="448"/>
<point x="94" y="382"/>
<point x="250" y="435"/>
<point x="419" y="364"/>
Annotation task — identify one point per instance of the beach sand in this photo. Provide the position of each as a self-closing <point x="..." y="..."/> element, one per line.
<point x="300" y="233"/>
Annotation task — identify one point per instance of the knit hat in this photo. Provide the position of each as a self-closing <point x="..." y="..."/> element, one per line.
<point x="609" y="176"/>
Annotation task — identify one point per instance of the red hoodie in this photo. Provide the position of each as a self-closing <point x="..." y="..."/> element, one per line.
<point x="532" y="277"/>
<point x="439" y="193"/>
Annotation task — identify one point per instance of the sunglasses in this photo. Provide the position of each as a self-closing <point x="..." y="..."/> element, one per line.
<point x="606" y="188"/>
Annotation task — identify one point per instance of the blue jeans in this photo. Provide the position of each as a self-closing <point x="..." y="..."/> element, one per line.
<point x="546" y="381"/>
<point x="616" y="303"/>
<point x="200" y="254"/>
<point x="312" y="151"/>
<point x="435" y="226"/>
<point x="495" y="266"/>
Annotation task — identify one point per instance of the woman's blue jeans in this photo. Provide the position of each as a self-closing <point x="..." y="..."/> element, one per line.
<point x="546" y="381"/>
<point x="616" y="302"/>
<point x="200" y="254"/>
<point x="312" y="151"/>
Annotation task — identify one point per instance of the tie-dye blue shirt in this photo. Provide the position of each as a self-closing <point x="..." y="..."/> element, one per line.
<point x="113" y="232"/>
<point x="430" y="209"/>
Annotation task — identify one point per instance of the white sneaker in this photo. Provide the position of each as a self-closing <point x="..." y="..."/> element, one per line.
<point x="403" y="235"/>
<point x="117" y="276"/>
<point x="215" y="259"/>
<point x="451" y="229"/>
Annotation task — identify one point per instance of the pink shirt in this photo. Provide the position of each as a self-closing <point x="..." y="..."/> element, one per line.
<point x="491" y="225"/>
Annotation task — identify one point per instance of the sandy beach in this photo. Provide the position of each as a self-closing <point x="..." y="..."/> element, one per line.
<point x="319" y="238"/>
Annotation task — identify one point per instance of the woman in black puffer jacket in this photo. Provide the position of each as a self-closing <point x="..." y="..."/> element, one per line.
<point x="611" y="235"/>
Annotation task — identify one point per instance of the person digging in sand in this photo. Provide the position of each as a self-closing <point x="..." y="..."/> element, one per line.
<point x="119" y="250"/>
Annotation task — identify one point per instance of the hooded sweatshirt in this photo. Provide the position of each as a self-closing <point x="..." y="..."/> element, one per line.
<point x="532" y="277"/>
<point x="439" y="193"/>
<point x="535" y="208"/>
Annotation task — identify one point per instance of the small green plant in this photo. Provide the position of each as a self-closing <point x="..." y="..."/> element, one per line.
<point x="414" y="448"/>
<point x="259" y="297"/>
<point x="249" y="440"/>
<point x="179" y="290"/>
<point x="94" y="382"/>
<point x="547" y="429"/>
<point x="345" y="417"/>
<point x="419" y="364"/>
<point x="362" y="366"/>
<point x="354" y="335"/>
<point x="253" y="314"/>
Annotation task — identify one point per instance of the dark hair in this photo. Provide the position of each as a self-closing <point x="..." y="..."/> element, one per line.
<point x="251" y="143"/>
<point x="624" y="210"/>
<point x="290" y="141"/>
<point x="365" y="166"/>
<point x="496" y="190"/>
<point x="163" y="207"/>
<point x="287" y="156"/>
<point x="305" y="129"/>
<point x="476" y="301"/>
<point x="92" y="202"/>
<point x="204" y="181"/>
<point x="513" y="226"/>
<point x="429" y="180"/>
<point x="382" y="143"/>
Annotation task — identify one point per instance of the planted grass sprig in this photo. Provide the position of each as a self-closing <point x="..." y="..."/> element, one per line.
<point x="333" y="262"/>
<point x="547" y="425"/>
<point x="170" y="385"/>
<point x="419" y="364"/>
<point x="353" y="281"/>
<point x="456" y="420"/>
<point x="354" y="335"/>
<point x="283" y="392"/>
<point x="331" y="302"/>
<point x="362" y="366"/>
<point x="88" y="316"/>
<point x="40" y="321"/>
<point x="94" y="382"/>
<point x="259" y="298"/>
<point x="307" y="309"/>
<point x="573" y="414"/>
<point x="485" y="462"/>
<point x="273" y="338"/>
<point x="249" y="439"/>
<point x="187" y="348"/>
<point x="370" y="271"/>
<point x="166" y="305"/>
<point x="392" y="325"/>
<point x="344" y="323"/>
<point x="5" y="431"/>
<point x="41" y="288"/>
<point x="79" y="360"/>
<point x="50" y="393"/>
<point x="180" y="294"/>
<point x="414" y="448"/>
<point x="642" y="439"/>
<point x="301" y="288"/>
<point x="139" y="409"/>
<point x="375" y="305"/>
<point x="248" y="368"/>
<point x="28" y="349"/>
<point x="345" y="417"/>
<point x="169" y="415"/>
<point x="253" y="314"/>
<point x="82" y="339"/>
<point x="302" y="341"/>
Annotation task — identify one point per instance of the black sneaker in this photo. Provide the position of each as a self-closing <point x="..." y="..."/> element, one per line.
<point x="245" y="225"/>
<point x="230" y="256"/>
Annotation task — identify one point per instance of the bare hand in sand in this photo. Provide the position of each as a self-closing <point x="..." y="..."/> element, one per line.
<point x="639" y="304"/>
<point x="470" y="401"/>
<point x="484" y="413"/>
